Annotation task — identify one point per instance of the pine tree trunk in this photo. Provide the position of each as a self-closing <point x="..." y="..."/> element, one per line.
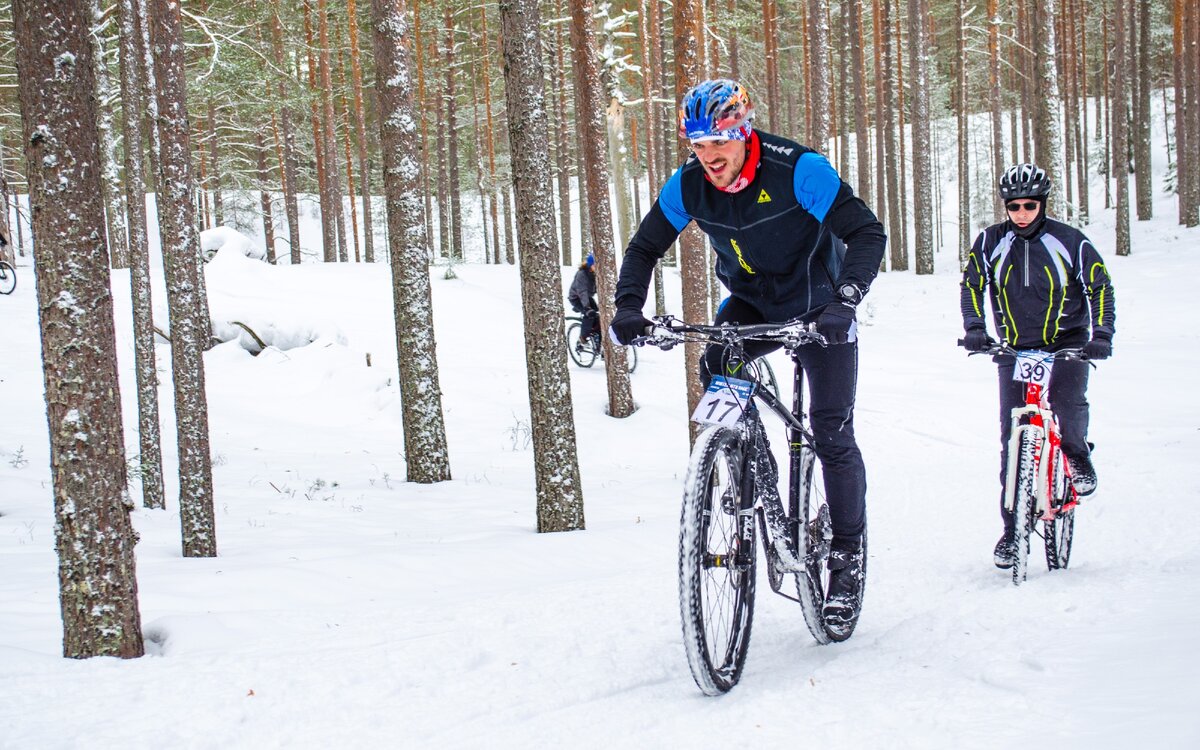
<point x="595" y="162"/>
<point x="693" y="261"/>
<point x="288" y="167"/>
<point x="455" y="187"/>
<point x="895" y="212"/>
<point x="556" y="464"/>
<point x="964" y="153"/>
<point x="1120" y="128"/>
<point x="425" y="448"/>
<point x="324" y="196"/>
<point x="858" y="69"/>
<point x="360" y="127"/>
<point x="493" y="182"/>
<point x="133" y="96"/>
<point x="922" y="189"/>
<point x="562" y="135"/>
<point x="1047" y="105"/>
<point x="329" y="131"/>
<point x="818" y="75"/>
<point x="264" y="198"/>
<point x="181" y="255"/>
<point x="110" y="178"/>
<point x="94" y="536"/>
<point x="218" y="201"/>
<point x="423" y="102"/>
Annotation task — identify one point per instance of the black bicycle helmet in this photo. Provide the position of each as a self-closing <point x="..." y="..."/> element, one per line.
<point x="1024" y="181"/>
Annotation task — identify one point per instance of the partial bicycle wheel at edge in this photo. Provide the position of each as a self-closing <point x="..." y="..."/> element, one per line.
<point x="582" y="357"/>
<point x="1060" y="531"/>
<point x="716" y="562"/>
<point x="8" y="278"/>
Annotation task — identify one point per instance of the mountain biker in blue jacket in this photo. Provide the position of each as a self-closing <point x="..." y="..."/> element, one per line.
<point x="792" y="241"/>
<point x="1049" y="290"/>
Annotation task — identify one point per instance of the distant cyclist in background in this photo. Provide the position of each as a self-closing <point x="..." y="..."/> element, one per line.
<point x="582" y="297"/>
<point x="1049" y="290"/>
<point x="792" y="240"/>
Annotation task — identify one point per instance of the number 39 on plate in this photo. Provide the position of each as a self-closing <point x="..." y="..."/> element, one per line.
<point x="724" y="401"/>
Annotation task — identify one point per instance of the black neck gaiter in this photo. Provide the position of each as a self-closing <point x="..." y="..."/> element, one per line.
<point x="1035" y="227"/>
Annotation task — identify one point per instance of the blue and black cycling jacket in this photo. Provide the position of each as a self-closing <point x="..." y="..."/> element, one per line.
<point x="783" y="244"/>
<point x="1050" y="291"/>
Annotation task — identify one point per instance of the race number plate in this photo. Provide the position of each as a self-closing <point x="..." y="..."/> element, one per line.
<point x="724" y="401"/>
<point x="1033" y="367"/>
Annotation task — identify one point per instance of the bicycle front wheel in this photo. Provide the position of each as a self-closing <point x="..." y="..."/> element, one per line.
<point x="1024" y="508"/>
<point x="716" y="561"/>
<point x="584" y="356"/>
<point x="8" y="278"/>
<point x="1060" y="530"/>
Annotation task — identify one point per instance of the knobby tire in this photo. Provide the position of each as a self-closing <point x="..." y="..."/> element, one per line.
<point x="1060" y="531"/>
<point x="1024" y="507"/>
<point x="716" y="571"/>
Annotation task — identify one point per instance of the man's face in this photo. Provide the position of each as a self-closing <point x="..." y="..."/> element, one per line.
<point x="1022" y="211"/>
<point x="722" y="160"/>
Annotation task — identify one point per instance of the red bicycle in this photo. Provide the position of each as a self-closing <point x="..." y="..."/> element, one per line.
<point x="1037" y="486"/>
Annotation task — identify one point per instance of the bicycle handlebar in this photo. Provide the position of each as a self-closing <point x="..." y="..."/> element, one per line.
<point x="1003" y="348"/>
<point x="668" y="331"/>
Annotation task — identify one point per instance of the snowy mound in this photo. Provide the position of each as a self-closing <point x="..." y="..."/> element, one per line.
<point x="249" y="304"/>
<point x="230" y="240"/>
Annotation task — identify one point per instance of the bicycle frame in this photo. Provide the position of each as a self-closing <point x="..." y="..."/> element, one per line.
<point x="1046" y="441"/>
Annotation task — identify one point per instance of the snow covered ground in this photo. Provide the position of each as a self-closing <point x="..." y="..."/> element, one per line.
<point x="350" y="609"/>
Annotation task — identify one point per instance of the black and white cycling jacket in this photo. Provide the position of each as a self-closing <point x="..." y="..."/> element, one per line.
<point x="1051" y="291"/>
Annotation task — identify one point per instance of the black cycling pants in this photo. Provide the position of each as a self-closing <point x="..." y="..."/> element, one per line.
<point x="1068" y="399"/>
<point x="832" y="374"/>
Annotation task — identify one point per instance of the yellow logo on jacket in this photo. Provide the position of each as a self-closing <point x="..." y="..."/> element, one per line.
<point x="763" y="197"/>
<point x="741" y="260"/>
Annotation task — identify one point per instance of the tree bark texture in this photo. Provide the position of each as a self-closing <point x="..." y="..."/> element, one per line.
<point x="595" y="162"/>
<point x="94" y="536"/>
<point x="556" y="464"/>
<point x="425" y="451"/>
<point x="288" y="136"/>
<point x="133" y="95"/>
<point x="922" y="195"/>
<point x="181" y="257"/>
<point x="1120" y="127"/>
<point x="110" y="179"/>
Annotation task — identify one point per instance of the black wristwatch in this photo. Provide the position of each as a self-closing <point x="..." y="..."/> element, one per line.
<point x="850" y="293"/>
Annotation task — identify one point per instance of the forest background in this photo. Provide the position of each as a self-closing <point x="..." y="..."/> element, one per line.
<point x="460" y="112"/>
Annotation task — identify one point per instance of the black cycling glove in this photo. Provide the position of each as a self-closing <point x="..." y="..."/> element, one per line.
<point x="835" y="322"/>
<point x="627" y="324"/>
<point x="977" y="339"/>
<point x="1100" y="347"/>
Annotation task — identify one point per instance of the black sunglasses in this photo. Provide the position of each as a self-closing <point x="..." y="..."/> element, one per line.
<point x="1028" y="206"/>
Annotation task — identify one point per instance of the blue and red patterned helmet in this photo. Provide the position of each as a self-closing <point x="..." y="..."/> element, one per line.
<point x="717" y="109"/>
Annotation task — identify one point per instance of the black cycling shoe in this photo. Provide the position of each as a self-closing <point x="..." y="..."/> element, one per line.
<point x="1083" y="474"/>
<point x="1005" y="554"/>
<point x="843" y="600"/>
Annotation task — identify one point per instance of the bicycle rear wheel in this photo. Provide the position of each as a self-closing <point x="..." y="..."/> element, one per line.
<point x="1060" y="530"/>
<point x="8" y="278"/>
<point x="716" y="561"/>
<point x="585" y="356"/>
<point x="815" y="543"/>
<point x="1024" y="509"/>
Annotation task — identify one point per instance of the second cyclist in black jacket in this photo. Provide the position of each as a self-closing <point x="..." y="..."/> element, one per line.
<point x="792" y="240"/>
<point x="1049" y="290"/>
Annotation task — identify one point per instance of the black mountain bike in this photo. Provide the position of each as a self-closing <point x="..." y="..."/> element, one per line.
<point x="585" y="352"/>
<point x="732" y="480"/>
<point x="8" y="278"/>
